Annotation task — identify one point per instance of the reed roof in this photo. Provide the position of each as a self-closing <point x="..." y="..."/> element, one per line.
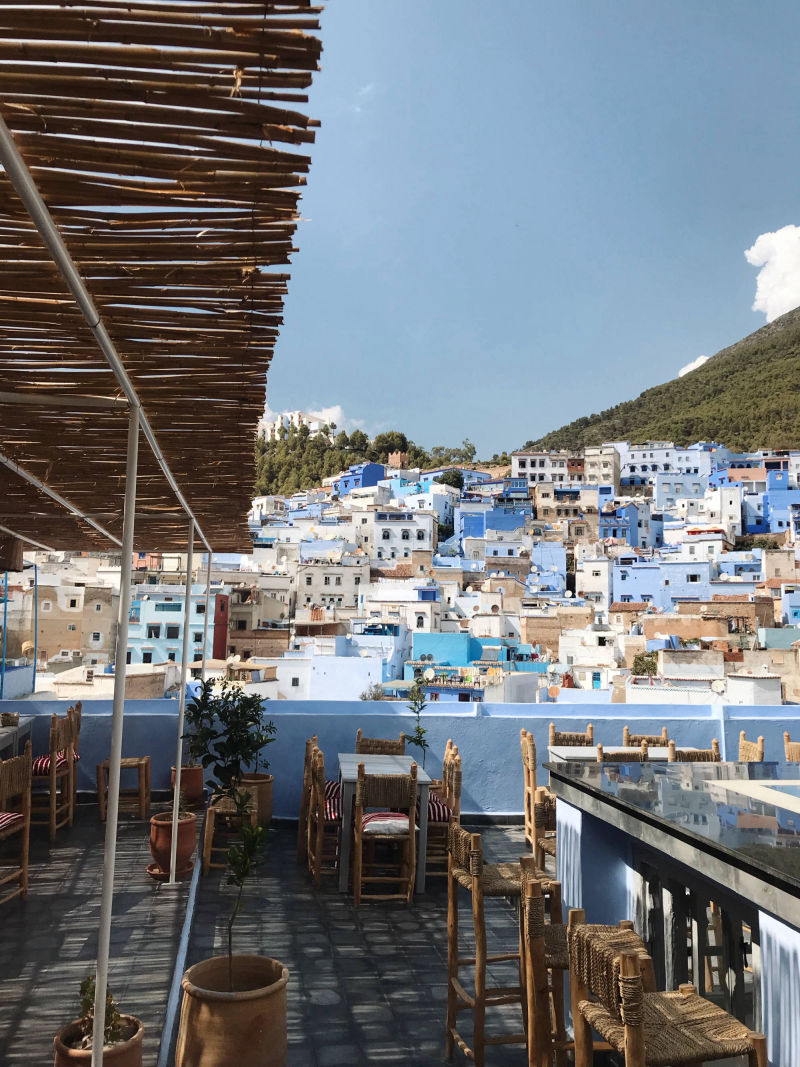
<point x="168" y="140"/>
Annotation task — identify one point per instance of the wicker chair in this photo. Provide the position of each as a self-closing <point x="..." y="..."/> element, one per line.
<point x="15" y="818"/>
<point x="395" y="823"/>
<point x="305" y="799"/>
<point x="750" y="751"/>
<point x="791" y="749"/>
<point x="55" y="807"/>
<point x="77" y="715"/>
<point x="380" y="746"/>
<point x="694" y="755"/>
<point x="612" y="992"/>
<point x="634" y="740"/>
<point x="444" y="808"/>
<point x="324" y="829"/>
<point x="571" y="740"/>
<point x="544" y="826"/>
<point x="528" y="746"/>
<point x="546" y="959"/>
<point x="639" y="754"/>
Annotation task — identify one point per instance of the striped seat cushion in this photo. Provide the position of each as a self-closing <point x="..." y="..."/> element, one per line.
<point x="333" y="808"/>
<point x="333" y="789"/>
<point x="41" y="765"/>
<point x="9" y="819"/>
<point x="384" y="822"/>
<point x="438" y="811"/>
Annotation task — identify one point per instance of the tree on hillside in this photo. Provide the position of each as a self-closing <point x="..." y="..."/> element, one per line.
<point x="454" y="478"/>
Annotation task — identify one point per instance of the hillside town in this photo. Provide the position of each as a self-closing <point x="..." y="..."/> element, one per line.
<point x="627" y="572"/>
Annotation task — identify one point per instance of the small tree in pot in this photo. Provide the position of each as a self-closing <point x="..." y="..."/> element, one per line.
<point x="122" y="1034"/>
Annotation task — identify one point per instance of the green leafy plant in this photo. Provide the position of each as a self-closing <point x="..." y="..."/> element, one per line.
<point x="374" y="692"/>
<point x="645" y="663"/>
<point x="242" y="858"/>
<point x="417" y="705"/>
<point x="227" y="732"/>
<point x="114" y="1030"/>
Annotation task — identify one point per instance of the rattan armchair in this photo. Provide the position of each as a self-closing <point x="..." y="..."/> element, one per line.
<point x="750" y="751"/>
<point x="15" y="818"/>
<point x="324" y="824"/>
<point x="791" y="749"/>
<point x="55" y="806"/>
<point x="634" y="740"/>
<point x="395" y="795"/>
<point x="305" y="800"/>
<point x="695" y="755"/>
<point x="444" y="808"/>
<point x="570" y="738"/>
<point x="612" y="992"/>
<point x="528" y="747"/>
<point x="380" y="746"/>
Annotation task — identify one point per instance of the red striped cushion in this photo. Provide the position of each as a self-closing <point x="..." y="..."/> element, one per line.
<point x="333" y="789"/>
<point x="385" y="822"/>
<point x="41" y="765"/>
<point x="8" y="819"/>
<point x="438" y="811"/>
<point x="333" y="808"/>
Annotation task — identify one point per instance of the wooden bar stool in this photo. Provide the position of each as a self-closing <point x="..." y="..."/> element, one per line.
<point x="528" y="746"/>
<point x="133" y="800"/>
<point x="15" y="818"/>
<point x="223" y="821"/>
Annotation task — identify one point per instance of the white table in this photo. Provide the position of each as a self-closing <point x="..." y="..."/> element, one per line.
<point x="565" y="753"/>
<point x="12" y="738"/>
<point x="348" y="774"/>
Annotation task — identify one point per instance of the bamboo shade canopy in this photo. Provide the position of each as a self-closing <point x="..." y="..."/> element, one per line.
<point x="167" y="140"/>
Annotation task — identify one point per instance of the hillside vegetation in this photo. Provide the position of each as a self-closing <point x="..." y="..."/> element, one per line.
<point x="746" y="397"/>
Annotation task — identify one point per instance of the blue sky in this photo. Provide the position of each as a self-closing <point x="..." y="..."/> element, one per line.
<point x="522" y="212"/>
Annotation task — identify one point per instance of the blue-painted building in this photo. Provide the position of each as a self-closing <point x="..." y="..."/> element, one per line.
<point x="782" y="504"/>
<point x="359" y="476"/>
<point x="670" y="487"/>
<point x="155" y="628"/>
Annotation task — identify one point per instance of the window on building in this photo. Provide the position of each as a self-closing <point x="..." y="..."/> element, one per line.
<point x="405" y="535"/>
<point x="510" y="552"/>
<point x="153" y="631"/>
<point x="692" y="577"/>
<point x="420" y="621"/>
<point x="171" y="657"/>
<point x="46" y="605"/>
<point x="71" y="626"/>
<point x="98" y="607"/>
<point x="337" y="580"/>
<point x="308" y="579"/>
<point x="173" y="632"/>
<point x="380" y="553"/>
<point x="241" y="624"/>
<point x="96" y="635"/>
<point x="197" y="636"/>
<point x="128" y="656"/>
<point x="385" y="535"/>
<point x="357" y="580"/>
<point x="295" y="683"/>
<point x="73" y="603"/>
<point x="326" y="580"/>
<point x="623" y="576"/>
<point x="420" y="535"/>
<point x="200" y="609"/>
<point x="147" y="657"/>
<point x="363" y="522"/>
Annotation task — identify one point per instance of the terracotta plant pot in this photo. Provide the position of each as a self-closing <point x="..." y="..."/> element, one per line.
<point x="247" y="1027"/>
<point x="192" y="785"/>
<point x="259" y="786"/>
<point x="161" y="843"/>
<point x="123" y="1054"/>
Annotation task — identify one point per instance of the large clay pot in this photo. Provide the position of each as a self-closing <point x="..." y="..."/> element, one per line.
<point x="124" y="1054"/>
<point x="192" y="785"/>
<point x="247" y="1027"/>
<point x="259" y="786"/>
<point x="161" y="842"/>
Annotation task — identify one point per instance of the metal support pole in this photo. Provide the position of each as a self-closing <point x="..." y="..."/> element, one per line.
<point x="5" y="628"/>
<point x="35" y="621"/>
<point x="112" y="809"/>
<point x="205" y="620"/>
<point x="176" y="800"/>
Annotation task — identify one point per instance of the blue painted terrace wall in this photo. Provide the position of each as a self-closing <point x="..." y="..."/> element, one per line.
<point x="487" y="736"/>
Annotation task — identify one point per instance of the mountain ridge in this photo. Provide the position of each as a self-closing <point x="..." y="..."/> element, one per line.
<point x="745" y="396"/>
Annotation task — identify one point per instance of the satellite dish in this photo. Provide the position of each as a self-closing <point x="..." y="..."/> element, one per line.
<point x="554" y="569"/>
<point x="551" y="668"/>
<point x="534" y="568"/>
<point x="430" y="674"/>
<point x="718" y="686"/>
<point x="568" y="593"/>
<point x="469" y="589"/>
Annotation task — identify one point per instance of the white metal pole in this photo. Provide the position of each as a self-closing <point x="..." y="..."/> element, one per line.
<point x="205" y="619"/>
<point x="112" y="809"/>
<point x="187" y="609"/>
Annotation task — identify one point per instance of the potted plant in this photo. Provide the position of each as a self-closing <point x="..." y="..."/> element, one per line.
<point x="122" y="1034"/>
<point x="192" y="783"/>
<point x="161" y="841"/>
<point x="229" y="732"/>
<point x="234" y="1006"/>
<point x="417" y="705"/>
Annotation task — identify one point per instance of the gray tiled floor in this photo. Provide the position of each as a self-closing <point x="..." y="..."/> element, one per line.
<point x="366" y="986"/>
<point x="48" y="943"/>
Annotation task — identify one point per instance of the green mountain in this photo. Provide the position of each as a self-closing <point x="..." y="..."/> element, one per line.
<point x="746" y="397"/>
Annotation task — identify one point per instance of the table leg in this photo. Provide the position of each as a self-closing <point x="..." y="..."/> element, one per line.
<point x="422" y="843"/>
<point x="348" y="795"/>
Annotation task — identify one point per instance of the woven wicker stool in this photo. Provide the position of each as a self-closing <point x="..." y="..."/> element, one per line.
<point x="546" y="959"/>
<point x="544" y="826"/>
<point x="135" y="800"/>
<point x="468" y="871"/>
<point x="222" y="821"/>
<point x="610" y="980"/>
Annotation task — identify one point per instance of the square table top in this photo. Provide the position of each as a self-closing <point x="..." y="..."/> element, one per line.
<point x="373" y="764"/>
<point x="565" y="753"/>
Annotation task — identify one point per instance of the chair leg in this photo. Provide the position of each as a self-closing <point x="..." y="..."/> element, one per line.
<point x="584" y="1052"/>
<point x="757" y="1057"/>
<point x="53" y="803"/>
<point x="24" y="860"/>
<point x="411" y="865"/>
<point x="479" y="1012"/>
<point x="452" y="961"/>
<point x="357" y="860"/>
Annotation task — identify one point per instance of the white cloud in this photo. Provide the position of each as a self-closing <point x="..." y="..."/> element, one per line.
<point x="778" y="282"/>
<point x="693" y="365"/>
